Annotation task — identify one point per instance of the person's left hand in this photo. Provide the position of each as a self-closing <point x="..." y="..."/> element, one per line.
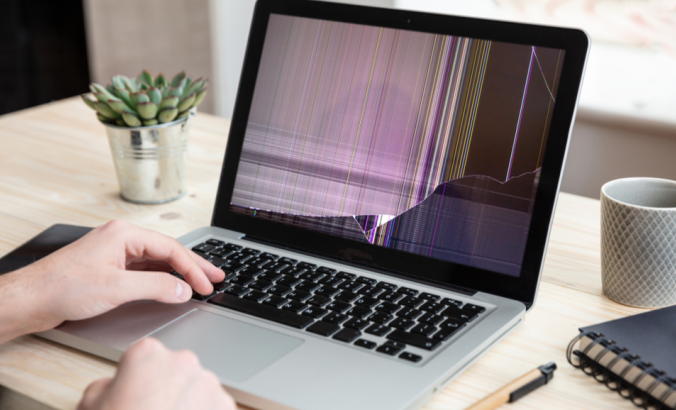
<point x="113" y="264"/>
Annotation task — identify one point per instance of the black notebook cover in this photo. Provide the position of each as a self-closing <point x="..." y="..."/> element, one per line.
<point x="51" y="239"/>
<point x="650" y="335"/>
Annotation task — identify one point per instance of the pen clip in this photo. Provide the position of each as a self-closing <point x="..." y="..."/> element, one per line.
<point x="547" y="371"/>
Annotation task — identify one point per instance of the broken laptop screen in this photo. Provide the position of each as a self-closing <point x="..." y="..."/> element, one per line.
<point x="425" y="143"/>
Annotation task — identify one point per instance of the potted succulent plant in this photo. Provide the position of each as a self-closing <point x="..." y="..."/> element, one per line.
<point x="147" y="120"/>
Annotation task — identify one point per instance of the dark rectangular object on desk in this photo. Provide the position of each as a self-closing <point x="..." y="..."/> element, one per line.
<point x="51" y="239"/>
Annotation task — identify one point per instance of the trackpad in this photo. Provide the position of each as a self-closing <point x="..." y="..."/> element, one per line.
<point x="232" y="349"/>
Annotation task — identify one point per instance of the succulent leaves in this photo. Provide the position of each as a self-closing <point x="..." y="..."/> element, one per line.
<point x="144" y="100"/>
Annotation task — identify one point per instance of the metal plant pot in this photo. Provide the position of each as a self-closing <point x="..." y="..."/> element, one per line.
<point x="150" y="161"/>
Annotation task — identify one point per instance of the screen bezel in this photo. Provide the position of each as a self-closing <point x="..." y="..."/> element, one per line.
<point x="434" y="271"/>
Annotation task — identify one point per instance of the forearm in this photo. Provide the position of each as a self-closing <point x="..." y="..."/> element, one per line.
<point x="17" y="306"/>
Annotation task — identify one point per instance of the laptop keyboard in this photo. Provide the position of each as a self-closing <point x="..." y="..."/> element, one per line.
<point x="326" y="302"/>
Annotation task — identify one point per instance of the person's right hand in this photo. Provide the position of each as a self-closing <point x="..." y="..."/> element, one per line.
<point x="150" y="376"/>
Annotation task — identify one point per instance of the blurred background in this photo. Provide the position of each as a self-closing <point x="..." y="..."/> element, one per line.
<point x="626" y="122"/>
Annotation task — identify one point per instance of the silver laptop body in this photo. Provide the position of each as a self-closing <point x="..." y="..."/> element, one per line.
<point x="274" y="360"/>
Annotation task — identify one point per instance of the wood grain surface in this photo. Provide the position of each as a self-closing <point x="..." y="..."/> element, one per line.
<point x="55" y="167"/>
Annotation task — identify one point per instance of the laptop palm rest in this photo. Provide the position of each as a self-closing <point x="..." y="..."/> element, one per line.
<point x="232" y="349"/>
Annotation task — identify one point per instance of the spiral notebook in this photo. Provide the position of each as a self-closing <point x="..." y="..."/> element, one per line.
<point x="634" y="356"/>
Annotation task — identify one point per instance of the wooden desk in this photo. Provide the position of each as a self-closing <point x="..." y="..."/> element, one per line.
<point x="55" y="167"/>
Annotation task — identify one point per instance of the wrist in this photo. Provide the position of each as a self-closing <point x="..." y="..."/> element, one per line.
<point x="18" y="305"/>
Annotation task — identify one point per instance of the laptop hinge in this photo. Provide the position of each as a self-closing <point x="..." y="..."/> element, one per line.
<point x="458" y="289"/>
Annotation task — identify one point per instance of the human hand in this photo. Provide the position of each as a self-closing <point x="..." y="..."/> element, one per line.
<point x="113" y="264"/>
<point x="150" y="376"/>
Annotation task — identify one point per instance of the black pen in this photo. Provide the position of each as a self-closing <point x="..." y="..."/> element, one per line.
<point x="518" y="388"/>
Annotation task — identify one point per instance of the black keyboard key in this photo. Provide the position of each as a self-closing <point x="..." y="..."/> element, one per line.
<point x="299" y="295"/>
<point x="430" y="296"/>
<point x="237" y="290"/>
<point x="221" y="286"/>
<point x="409" y="313"/>
<point x="347" y="335"/>
<point x="198" y="296"/>
<point x="366" y="344"/>
<point x="388" y="307"/>
<point x="308" y="286"/>
<point x="431" y="318"/>
<point x="424" y="329"/>
<point x="331" y="280"/>
<point x="250" y="271"/>
<point x="327" y="291"/>
<point x="220" y="252"/>
<point x="263" y="285"/>
<point x="203" y="247"/>
<point x="323" y="328"/>
<point x="240" y="257"/>
<point x="268" y="255"/>
<point x="432" y="307"/>
<point x="215" y="242"/>
<point x="366" y="301"/>
<point x="288" y="261"/>
<point x="390" y="349"/>
<point x="411" y="301"/>
<point x="460" y="314"/>
<point x="410" y="357"/>
<point x="360" y="312"/>
<point x="414" y="340"/>
<point x="217" y="262"/>
<point x="231" y="266"/>
<point x="258" y="262"/>
<point x="319" y="300"/>
<point x="276" y="301"/>
<point x="448" y="329"/>
<point x="346" y="296"/>
<point x="232" y="246"/>
<point x="315" y="312"/>
<point x="474" y="308"/>
<point x="250" y="251"/>
<point x="262" y="311"/>
<point x="378" y="330"/>
<point x="256" y="295"/>
<point x="306" y="265"/>
<point x="345" y="275"/>
<point x="356" y="323"/>
<point x="381" y="317"/>
<point x="325" y="270"/>
<point x="309" y="275"/>
<point x="279" y="290"/>
<point x="295" y="306"/>
<point x="402" y="323"/>
<point x="288" y="281"/>
<point x="338" y="306"/>
<point x="351" y="286"/>
<point x="370" y="291"/>
<point x="408" y="291"/>
<point x="391" y="296"/>
<point x="367" y="281"/>
<point x="385" y="285"/>
<point x="276" y="266"/>
<point x="269" y="276"/>
<point x="202" y="254"/>
<point x="335" y="317"/>
<point x="293" y="271"/>
<point x="447" y="301"/>
<point x="242" y="280"/>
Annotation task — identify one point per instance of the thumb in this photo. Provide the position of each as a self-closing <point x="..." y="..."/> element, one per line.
<point x="151" y="285"/>
<point x="93" y="393"/>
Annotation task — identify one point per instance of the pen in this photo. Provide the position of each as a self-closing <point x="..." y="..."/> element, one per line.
<point x="518" y="388"/>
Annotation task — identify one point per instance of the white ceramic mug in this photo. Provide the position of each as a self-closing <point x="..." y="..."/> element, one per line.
<point x="638" y="241"/>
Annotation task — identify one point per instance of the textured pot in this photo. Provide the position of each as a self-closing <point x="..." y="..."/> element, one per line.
<point x="150" y="161"/>
<point x="638" y="241"/>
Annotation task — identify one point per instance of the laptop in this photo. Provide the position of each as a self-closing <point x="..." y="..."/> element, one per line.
<point x="383" y="210"/>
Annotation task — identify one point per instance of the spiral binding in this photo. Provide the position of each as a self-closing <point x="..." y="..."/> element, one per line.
<point x="602" y="374"/>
